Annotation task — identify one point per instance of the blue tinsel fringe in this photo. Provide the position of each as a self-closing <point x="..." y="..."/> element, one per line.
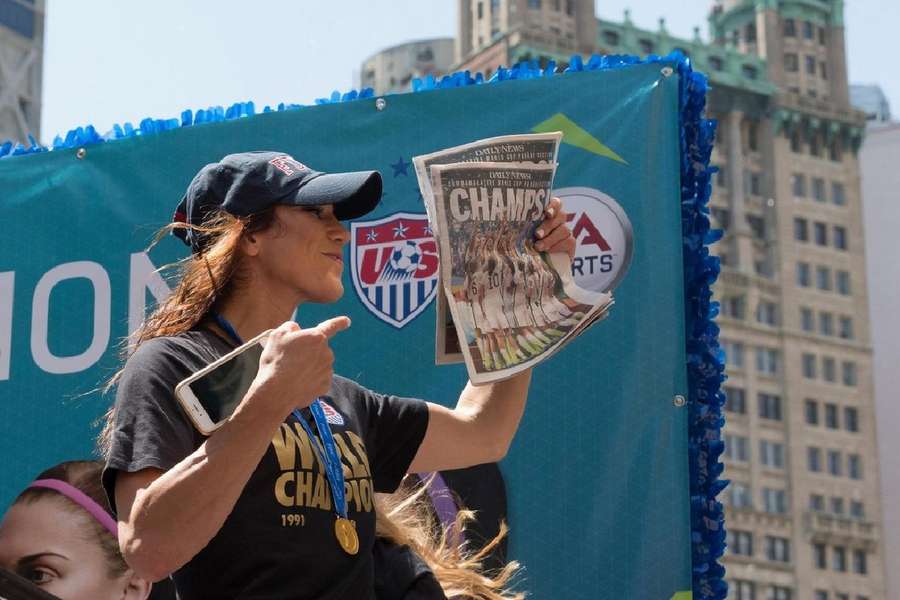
<point x="704" y="357"/>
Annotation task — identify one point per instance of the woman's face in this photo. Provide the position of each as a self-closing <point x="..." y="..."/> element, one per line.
<point x="50" y="546"/>
<point x="302" y="253"/>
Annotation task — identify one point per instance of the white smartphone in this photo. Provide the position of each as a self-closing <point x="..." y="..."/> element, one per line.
<point x="211" y="395"/>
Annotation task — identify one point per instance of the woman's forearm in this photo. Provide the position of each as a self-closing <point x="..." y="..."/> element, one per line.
<point x="174" y="517"/>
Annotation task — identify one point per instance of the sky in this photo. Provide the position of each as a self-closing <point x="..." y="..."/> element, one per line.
<point x="110" y="61"/>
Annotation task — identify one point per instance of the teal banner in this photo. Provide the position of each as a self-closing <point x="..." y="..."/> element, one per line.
<point x="597" y="477"/>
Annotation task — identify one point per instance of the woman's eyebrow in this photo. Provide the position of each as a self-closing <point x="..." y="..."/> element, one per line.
<point x="31" y="558"/>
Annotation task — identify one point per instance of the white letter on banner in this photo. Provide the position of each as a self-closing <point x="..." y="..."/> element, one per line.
<point x="7" y="281"/>
<point x="143" y="276"/>
<point x="40" y="312"/>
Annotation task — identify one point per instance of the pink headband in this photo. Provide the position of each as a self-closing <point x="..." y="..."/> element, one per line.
<point x="82" y="500"/>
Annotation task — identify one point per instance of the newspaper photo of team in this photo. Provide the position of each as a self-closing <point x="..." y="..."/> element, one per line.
<point x="512" y="305"/>
<point x="512" y="299"/>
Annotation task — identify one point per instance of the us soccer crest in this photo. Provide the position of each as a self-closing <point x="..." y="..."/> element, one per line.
<point x="395" y="266"/>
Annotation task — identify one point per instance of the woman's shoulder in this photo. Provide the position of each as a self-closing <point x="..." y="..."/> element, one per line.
<point x="191" y="349"/>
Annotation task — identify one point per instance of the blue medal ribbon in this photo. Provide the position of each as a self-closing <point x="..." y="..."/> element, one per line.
<point x="328" y="455"/>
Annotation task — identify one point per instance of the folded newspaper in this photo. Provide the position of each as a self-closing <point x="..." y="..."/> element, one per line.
<point x="511" y="305"/>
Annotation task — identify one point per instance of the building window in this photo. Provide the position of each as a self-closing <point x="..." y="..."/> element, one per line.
<point x="837" y="505"/>
<point x="837" y="193"/>
<point x="829" y="369"/>
<point x="840" y="237"/>
<point x="809" y="365"/>
<point x="801" y="229"/>
<point x="806" y="319"/>
<point x="815" y="146"/>
<point x="755" y="182"/>
<point x="817" y="502"/>
<point x="820" y="233"/>
<point x="845" y="330"/>
<point x="535" y="4"/>
<point x="774" y="501"/>
<point x="611" y="37"/>
<point x="750" y="32"/>
<point x="851" y="419"/>
<point x="778" y="549"/>
<point x="839" y="558"/>
<point x="740" y="495"/>
<point x="811" y="410"/>
<point x="834" y="463"/>
<point x="859" y="562"/>
<point x="753" y="144"/>
<point x="790" y="62"/>
<point x="848" y="369"/>
<point x="820" y="560"/>
<point x="735" y="400"/>
<point x="803" y="275"/>
<point x="722" y="217"/>
<point x="814" y="459"/>
<point x="480" y="10"/>
<point x="771" y="454"/>
<point x="749" y="71"/>
<point x="807" y="30"/>
<point x="790" y="28"/>
<point x="823" y="70"/>
<point x="834" y="151"/>
<point x="799" y="185"/>
<point x="733" y="307"/>
<point x="777" y="592"/>
<point x="821" y="594"/>
<point x="769" y="406"/>
<point x="810" y="65"/>
<point x="734" y="353"/>
<point x="570" y="7"/>
<point x="744" y="590"/>
<point x="737" y="447"/>
<point x="767" y="360"/>
<point x="854" y="466"/>
<point x="842" y="282"/>
<point x="767" y="313"/>
<point x="831" y="416"/>
<point x="822" y="35"/>
<point x="826" y="323"/>
<point x="796" y="145"/>
<point x="740" y="542"/>
<point x="857" y="509"/>
<point x="823" y="278"/>
<point x="818" y="189"/>
<point x="646" y="46"/>
<point x="757" y="226"/>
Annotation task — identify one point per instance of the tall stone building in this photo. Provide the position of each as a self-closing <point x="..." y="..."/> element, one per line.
<point x="803" y="511"/>
<point x="880" y="165"/>
<point x="21" y="60"/>
<point x="393" y="69"/>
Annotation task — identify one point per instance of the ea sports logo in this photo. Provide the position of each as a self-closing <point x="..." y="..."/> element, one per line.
<point x="604" y="236"/>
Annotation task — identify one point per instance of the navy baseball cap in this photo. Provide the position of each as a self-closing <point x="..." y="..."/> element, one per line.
<point x="249" y="182"/>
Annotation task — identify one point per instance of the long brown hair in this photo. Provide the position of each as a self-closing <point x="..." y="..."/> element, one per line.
<point x="405" y="518"/>
<point x="83" y="475"/>
<point x="202" y="280"/>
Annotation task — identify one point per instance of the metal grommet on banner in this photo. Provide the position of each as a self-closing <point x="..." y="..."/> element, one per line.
<point x="667" y="71"/>
<point x="380" y="104"/>
<point x="80" y="153"/>
<point x="679" y="400"/>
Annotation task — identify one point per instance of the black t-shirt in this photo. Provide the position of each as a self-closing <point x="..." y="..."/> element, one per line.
<point x="278" y="541"/>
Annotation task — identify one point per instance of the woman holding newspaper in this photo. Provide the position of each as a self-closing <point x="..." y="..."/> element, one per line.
<point x="239" y="513"/>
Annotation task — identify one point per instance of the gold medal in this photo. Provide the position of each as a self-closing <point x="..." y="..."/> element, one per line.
<point x="345" y="532"/>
